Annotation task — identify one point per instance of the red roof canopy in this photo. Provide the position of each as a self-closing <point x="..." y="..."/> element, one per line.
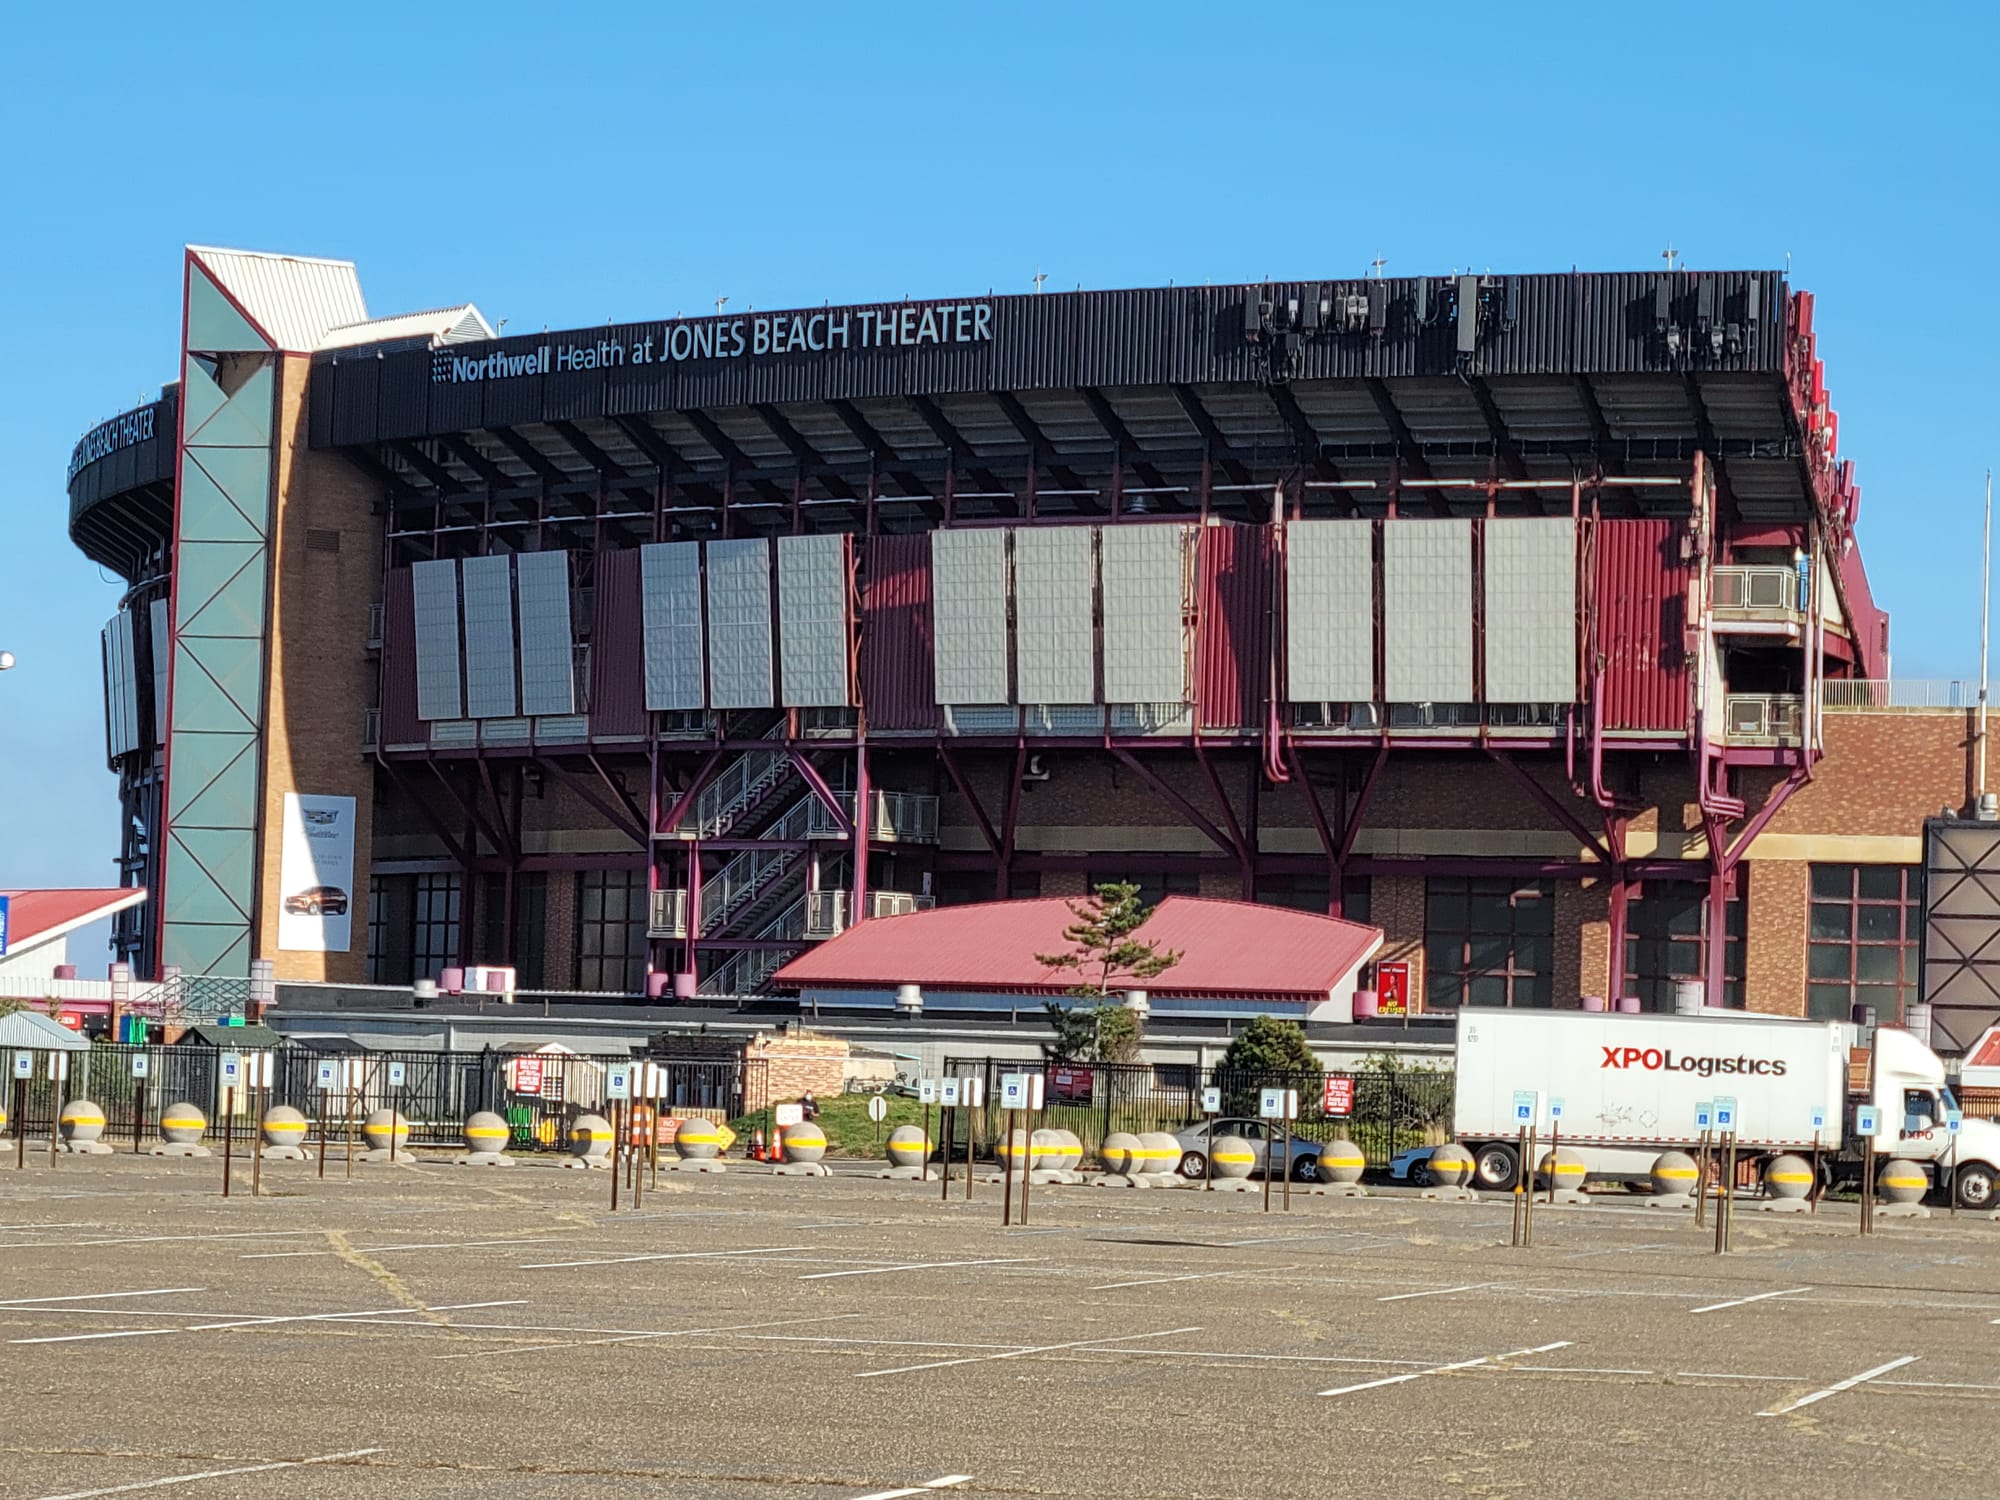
<point x="1226" y="947"/>
<point x="34" y="916"/>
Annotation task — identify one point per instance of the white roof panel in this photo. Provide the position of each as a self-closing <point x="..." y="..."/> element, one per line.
<point x="295" y="299"/>
<point x="441" y="325"/>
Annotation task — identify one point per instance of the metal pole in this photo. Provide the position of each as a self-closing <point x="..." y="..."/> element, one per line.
<point x="1288" y="1166"/>
<point x="1027" y="1160"/>
<point x="1528" y="1206"/>
<point x="1701" y="1183"/>
<point x="1868" y="1185"/>
<point x="1267" y="1168"/>
<point x="944" y="1156"/>
<point x="924" y="1161"/>
<point x="1985" y="608"/>
<point x="350" y="1131"/>
<point x="57" y="1067"/>
<point x="260" y="1102"/>
<point x="1951" y="1179"/>
<point x="228" y="1134"/>
<point x="1006" y="1178"/>
<point x="968" y="1159"/>
<point x="617" y="1166"/>
<point x="322" y="1135"/>
<point x="138" y="1112"/>
<point x="395" y="1113"/>
<point x="1555" y="1150"/>
<point x="1813" y="1197"/>
<point x="20" y="1124"/>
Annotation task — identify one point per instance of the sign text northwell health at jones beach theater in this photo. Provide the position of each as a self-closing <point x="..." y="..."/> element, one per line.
<point x="749" y="337"/>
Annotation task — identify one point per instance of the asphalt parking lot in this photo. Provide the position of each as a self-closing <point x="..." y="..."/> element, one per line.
<point x="429" y="1331"/>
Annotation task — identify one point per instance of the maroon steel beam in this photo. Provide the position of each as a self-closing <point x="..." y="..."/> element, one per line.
<point x="1229" y="818"/>
<point x="459" y="854"/>
<point x="953" y="770"/>
<point x="684" y="799"/>
<point x="471" y="812"/>
<point x="508" y="844"/>
<point x="828" y="798"/>
<point x="1778" y="796"/>
<point x="1351" y="825"/>
<point x="632" y="828"/>
<point x="1010" y="823"/>
<point x="623" y="797"/>
<point x="1313" y="808"/>
<point x="1175" y="800"/>
<point x="1550" y="804"/>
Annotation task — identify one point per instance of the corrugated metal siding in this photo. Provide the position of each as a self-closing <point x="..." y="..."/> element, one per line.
<point x="401" y="724"/>
<point x="1530" y="579"/>
<point x="1235" y="625"/>
<point x="1330" y="611"/>
<point x="1055" y="591"/>
<point x="897" y="646"/>
<point x="435" y="592"/>
<point x="490" y="691"/>
<point x="618" y="648"/>
<point x="1145" y="615"/>
<point x="548" y="639"/>
<point x="1642" y="589"/>
<point x="739" y="624"/>
<point x="294" y="300"/>
<point x="1427" y="611"/>
<point x="670" y="584"/>
<point x="970" y="610"/>
<point x="813" y="644"/>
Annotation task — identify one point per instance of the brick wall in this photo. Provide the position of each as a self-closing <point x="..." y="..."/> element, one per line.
<point x="795" y="1063"/>
<point x="326" y="571"/>
<point x="1396" y="905"/>
<point x="1883" y="775"/>
<point x="1774" y="958"/>
<point x="559" y="952"/>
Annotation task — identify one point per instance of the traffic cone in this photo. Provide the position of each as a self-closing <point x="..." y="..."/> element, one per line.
<point x="756" y="1145"/>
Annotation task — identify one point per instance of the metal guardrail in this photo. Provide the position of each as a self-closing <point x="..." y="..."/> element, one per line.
<point x="1764" y="718"/>
<point x="1755" y="590"/>
<point x="1898" y="695"/>
<point x="910" y="816"/>
<point x="668" y="918"/>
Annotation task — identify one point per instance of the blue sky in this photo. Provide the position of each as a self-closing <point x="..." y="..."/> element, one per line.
<point x="562" y="167"/>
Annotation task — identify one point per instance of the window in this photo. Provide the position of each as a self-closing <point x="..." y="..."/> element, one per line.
<point x="1666" y="941"/>
<point x="1309" y="893"/>
<point x="611" y="931"/>
<point x="1488" y="942"/>
<point x="434" y="933"/>
<point x="531" y="920"/>
<point x="378" y="930"/>
<point x="1862" y="940"/>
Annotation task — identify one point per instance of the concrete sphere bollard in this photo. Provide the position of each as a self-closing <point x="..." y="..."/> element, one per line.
<point x="1158" y="1152"/>
<point x="1788" y="1177"/>
<point x="590" y="1137"/>
<point x="1231" y="1156"/>
<point x="1565" y="1166"/>
<point x="283" y="1126"/>
<point x="1450" y="1166"/>
<point x="1012" y="1146"/>
<point x="181" y="1124"/>
<point x="81" y="1122"/>
<point x="1045" y="1149"/>
<point x="1673" y="1174"/>
<point x="804" y="1142"/>
<point x="908" y="1146"/>
<point x="1070" y="1156"/>
<point x="486" y="1134"/>
<point x="1341" y="1161"/>
<point x="1120" y="1153"/>
<point x="1901" y="1181"/>
<point x="383" y="1125"/>
<point x="698" y="1140"/>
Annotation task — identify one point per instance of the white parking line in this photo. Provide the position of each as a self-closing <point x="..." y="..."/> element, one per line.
<point x="261" y="1322"/>
<point x="1463" y="1364"/>
<point x="933" y="1265"/>
<point x="1442" y="1291"/>
<point x="626" y="1260"/>
<point x="1746" y="1301"/>
<point x="1842" y="1385"/>
<point x="944" y="1364"/>
<point x="154" y="1484"/>
<point x="154" y="1239"/>
<point x="158" y="1291"/>
<point x="1113" y="1286"/>
<point x="948" y="1482"/>
<point x="520" y="1243"/>
<point x="632" y="1338"/>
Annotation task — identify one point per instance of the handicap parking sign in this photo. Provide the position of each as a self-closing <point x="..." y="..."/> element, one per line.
<point x="1865" y="1120"/>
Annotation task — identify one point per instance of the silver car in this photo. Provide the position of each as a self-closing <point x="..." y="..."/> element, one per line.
<point x="1302" y="1161"/>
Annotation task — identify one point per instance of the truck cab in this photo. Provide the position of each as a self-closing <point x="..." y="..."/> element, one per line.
<point x="1913" y="1104"/>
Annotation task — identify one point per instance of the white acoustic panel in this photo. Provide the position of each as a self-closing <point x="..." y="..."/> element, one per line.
<point x="128" y="672"/>
<point x="1531" y="610"/>
<point x="489" y="638"/>
<point x="670" y="592"/>
<point x="1054" y="594"/>
<point x="1330" y="611"/>
<point x="159" y="666"/>
<point x="115" y="743"/>
<point x="548" y="640"/>
<point x="1145" y="630"/>
<point x="434" y="586"/>
<point x="1427" y="611"/>
<point x="739" y="624"/>
<point x="812" y="621"/>
<point x="969" y="613"/>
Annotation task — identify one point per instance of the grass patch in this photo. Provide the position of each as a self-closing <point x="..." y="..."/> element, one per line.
<point x="844" y="1118"/>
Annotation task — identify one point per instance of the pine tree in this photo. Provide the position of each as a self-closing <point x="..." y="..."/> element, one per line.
<point x="1108" y="959"/>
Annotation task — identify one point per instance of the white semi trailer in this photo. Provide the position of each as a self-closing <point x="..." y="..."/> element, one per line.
<point x="1628" y="1087"/>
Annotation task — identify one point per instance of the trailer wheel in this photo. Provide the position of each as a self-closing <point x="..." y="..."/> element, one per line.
<point x="1495" y="1166"/>
<point x="1975" y="1185"/>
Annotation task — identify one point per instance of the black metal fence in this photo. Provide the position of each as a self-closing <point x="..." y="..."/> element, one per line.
<point x="538" y="1094"/>
<point x="1381" y="1110"/>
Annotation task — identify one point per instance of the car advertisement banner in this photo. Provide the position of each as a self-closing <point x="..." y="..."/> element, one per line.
<point x="316" y="875"/>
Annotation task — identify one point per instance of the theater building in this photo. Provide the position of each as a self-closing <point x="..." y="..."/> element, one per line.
<point x="1520" y="617"/>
